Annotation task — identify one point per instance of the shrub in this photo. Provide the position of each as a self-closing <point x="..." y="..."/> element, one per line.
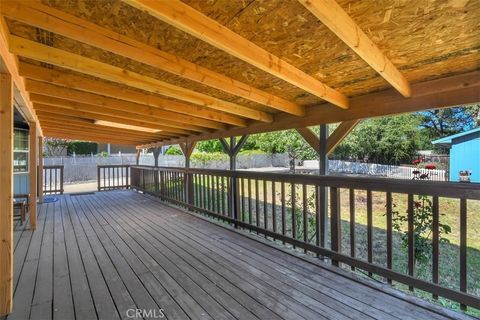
<point x="174" y="151"/>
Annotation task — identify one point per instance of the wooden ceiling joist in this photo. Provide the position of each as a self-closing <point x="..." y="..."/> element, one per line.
<point x="331" y="14"/>
<point x="60" y="118"/>
<point x="69" y="26"/>
<point x="100" y="87"/>
<point x="69" y="107"/>
<point x="90" y="115"/>
<point x="439" y="93"/>
<point x="104" y="139"/>
<point x="187" y="19"/>
<point x="50" y="90"/>
<point x="34" y="50"/>
<point x="100" y="129"/>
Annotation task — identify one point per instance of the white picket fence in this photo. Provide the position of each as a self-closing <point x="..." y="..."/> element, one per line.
<point x="375" y="169"/>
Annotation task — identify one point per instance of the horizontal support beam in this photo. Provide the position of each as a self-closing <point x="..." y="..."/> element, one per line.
<point x="37" y="51"/>
<point x="187" y="19"/>
<point x="55" y="133"/>
<point x="72" y="81"/>
<point x="59" y="22"/>
<point x="434" y="94"/>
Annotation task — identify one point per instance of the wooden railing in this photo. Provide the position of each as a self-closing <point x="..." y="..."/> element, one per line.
<point x="53" y="179"/>
<point x="291" y="209"/>
<point x="110" y="177"/>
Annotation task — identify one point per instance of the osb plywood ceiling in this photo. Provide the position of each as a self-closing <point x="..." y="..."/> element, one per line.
<point x="423" y="40"/>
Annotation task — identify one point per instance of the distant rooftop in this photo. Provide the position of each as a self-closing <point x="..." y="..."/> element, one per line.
<point x="447" y="141"/>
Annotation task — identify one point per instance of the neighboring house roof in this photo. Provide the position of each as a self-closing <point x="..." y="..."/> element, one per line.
<point x="447" y="141"/>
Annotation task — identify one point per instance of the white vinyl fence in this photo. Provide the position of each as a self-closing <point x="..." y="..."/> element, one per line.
<point x="375" y="169"/>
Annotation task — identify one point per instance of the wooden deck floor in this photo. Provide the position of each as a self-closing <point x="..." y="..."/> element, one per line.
<point x="99" y="255"/>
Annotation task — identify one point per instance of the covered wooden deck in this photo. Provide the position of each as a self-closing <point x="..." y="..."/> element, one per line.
<point x="106" y="254"/>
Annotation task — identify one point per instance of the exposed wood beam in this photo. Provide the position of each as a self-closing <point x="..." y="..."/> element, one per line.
<point x="333" y="140"/>
<point x="6" y="194"/>
<point x="34" y="50"/>
<point x="32" y="178"/>
<point x="187" y="19"/>
<point x="100" y="87"/>
<point x="9" y="64"/>
<point x="432" y="94"/>
<point x="101" y="130"/>
<point x="175" y="119"/>
<point x="187" y="148"/>
<point x="86" y="137"/>
<point x="310" y="137"/>
<point x="40" y="108"/>
<point x="59" y="22"/>
<point x="339" y="134"/>
<point x="331" y="14"/>
<point x="52" y="117"/>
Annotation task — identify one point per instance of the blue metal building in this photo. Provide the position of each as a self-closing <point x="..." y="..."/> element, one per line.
<point x="464" y="153"/>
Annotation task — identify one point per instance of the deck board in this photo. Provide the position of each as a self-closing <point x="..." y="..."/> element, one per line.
<point x="97" y="256"/>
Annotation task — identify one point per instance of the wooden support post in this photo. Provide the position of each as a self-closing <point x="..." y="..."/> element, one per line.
<point x="40" y="170"/>
<point x="323" y="191"/>
<point x="6" y="194"/>
<point x="232" y="150"/>
<point x="137" y="159"/>
<point x="156" y="154"/>
<point x="33" y="141"/>
<point x="187" y="149"/>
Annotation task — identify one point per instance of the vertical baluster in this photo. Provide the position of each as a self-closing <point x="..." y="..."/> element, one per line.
<point x="352" y="224"/>
<point x="274" y="207"/>
<point x="223" y="195"/>
<point x="317" y="217"/>
<point x="463" y="248"/>
<point x="294" y="216"/>
<point x="265" y="205"/>
<point x="249" y="186"/>
<point x="212" y="191"/>
<point x="435" y="240"/>
<point x="204" y="188"/>
<point x="56" y="189"/>
<point x="305" y="214"/>
<point x="335" y="222"/>
<point x="369" y="228"/>
<point x="242" y="199"/>
<point x="282" y="194"/>
<point x="389" y="233"/>
<point x="257" y="204"/>
<point x="217" y="184"/>
<point x="411" y="238"/>
<point x="195" y="190"/>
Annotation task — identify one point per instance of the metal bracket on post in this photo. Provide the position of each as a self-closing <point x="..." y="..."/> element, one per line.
<point x="232" y="150"/>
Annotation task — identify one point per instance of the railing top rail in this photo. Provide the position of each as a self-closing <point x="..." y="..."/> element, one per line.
<point x="421" y="187"/>
<point x="53" y="166"/>
<point x="113" y="165"/>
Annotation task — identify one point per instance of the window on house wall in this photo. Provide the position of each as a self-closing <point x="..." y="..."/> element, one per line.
<point x="20" y="150"/>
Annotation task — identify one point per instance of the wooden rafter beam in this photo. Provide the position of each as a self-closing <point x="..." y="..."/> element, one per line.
<point x="73" y="107"/>
<point x="58" y="78"/>
<point x="331" y="14"/>
<point x="9" y="64"/>
<point x="45" y="91"/>
<point x="340" y="133"/>
<point x="42" y="108"/>
<point x="34" y="50"/>
<point x="59" y="22"/>
<point x="187" y="19"/>
<point x="433" y="94"/>
<point x="62" y="119"/>
<point x="100" y="129"/>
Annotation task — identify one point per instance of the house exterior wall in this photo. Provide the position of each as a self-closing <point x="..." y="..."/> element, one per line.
<point x="465" y="155"/>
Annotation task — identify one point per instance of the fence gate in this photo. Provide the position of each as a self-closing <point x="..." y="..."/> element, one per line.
<point x="53" y="179"/>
